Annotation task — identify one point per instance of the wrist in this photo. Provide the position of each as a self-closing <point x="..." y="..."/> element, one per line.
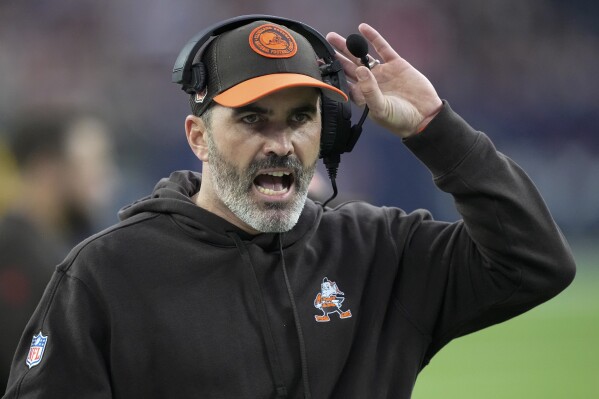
<point x="424" y="123"/>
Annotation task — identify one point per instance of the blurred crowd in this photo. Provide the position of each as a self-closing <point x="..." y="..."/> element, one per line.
<point x="58" y="175"/>
<point x="89" y="118"/>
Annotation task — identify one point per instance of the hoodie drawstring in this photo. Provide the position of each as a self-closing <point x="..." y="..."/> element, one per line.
<point x="273" y="356"/>
<point x="298" y="326"/>
<point x="271" y="350"/>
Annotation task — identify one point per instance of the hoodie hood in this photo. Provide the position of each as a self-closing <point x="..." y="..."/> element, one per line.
<point x="172" y="196"/>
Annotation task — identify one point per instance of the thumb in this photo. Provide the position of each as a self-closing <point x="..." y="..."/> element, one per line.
<point x="369" y="88"/>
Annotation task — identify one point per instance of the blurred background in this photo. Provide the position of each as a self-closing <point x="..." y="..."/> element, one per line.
<point x="95" y="77"/>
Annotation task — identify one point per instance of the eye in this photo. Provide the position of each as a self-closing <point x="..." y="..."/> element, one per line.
<point x="251" y="119"/>
<point x="300" y="117"/>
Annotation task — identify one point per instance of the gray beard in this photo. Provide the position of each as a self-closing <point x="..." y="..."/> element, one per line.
<point x="233" y="188"/>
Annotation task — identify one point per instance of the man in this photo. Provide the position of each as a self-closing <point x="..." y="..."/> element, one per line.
<point x="231" y="284"/>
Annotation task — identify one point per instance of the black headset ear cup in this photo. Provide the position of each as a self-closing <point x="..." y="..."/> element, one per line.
<point x="336" y="127"/>
<point x="198" y="78"/>
<point x="329" y="126"/>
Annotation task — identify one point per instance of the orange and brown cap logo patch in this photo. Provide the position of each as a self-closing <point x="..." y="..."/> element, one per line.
<point x="273" y="42"/>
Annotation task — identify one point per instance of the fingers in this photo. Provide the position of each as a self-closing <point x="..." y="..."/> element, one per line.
<point x="380" y="45"/>
<point x="364" y="88"/>
<point x="356" y="95"/>
<point x="348" y="61"/>
<point x="376" y="40"/>
<point x="338" y="42"/>
<point x="348" y="66"/>
<point x="368" y="89"/>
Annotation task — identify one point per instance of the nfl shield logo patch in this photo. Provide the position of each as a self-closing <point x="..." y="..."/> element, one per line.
<point x="36" y="351"/>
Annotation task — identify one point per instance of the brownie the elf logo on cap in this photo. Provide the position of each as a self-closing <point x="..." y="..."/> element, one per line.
<point x="273" y="42"/>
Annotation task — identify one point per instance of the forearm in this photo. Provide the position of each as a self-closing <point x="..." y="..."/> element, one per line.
<point x="504" y="214"/>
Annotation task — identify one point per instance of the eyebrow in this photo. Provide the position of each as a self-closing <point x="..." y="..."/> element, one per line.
<point x="308" y="109"/>
<point x="251" y="108"/>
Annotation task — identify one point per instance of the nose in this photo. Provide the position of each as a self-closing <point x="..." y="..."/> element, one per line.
<point x="279" y="143"/>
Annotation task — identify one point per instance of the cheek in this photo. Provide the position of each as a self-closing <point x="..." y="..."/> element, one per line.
<point x="239" y="150"/>
<point x="310" y="143"/>
<point x="307" y="142"/>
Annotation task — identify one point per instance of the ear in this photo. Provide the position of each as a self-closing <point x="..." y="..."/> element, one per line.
<point x="195" y="130"/>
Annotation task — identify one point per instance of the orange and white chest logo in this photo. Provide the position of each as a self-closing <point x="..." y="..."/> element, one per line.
<point x="329" y="300"/>
<point x="273" y="42"/>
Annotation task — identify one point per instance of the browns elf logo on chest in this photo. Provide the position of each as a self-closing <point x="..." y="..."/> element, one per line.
<point x="329" y="300"/>
<point x="273" y="42"/>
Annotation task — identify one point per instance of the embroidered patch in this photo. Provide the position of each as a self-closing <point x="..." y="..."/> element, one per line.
<point x="201" y="96"/>
<point x="36" y="351"/>
<point x="329" y="301"/>
<point x="273" y="42"/>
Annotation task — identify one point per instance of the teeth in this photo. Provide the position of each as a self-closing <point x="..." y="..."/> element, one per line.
<point x="268" y="191"/>
<point x="278" y="174"/>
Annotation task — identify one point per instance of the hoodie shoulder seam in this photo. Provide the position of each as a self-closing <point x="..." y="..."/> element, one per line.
<point x="74" y="254"/>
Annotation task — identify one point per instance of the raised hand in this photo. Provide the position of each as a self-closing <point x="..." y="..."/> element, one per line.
<point x="400" y="98"/>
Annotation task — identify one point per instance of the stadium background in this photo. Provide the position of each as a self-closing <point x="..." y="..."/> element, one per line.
<point x="523" y="71"/>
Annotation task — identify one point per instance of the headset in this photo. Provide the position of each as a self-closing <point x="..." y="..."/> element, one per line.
<point x="338" y="135"/>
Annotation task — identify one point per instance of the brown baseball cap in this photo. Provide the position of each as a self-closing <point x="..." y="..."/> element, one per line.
<point x="255" y="60"/>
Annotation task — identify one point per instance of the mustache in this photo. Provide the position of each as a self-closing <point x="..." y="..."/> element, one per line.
<point x="275" y="161"/>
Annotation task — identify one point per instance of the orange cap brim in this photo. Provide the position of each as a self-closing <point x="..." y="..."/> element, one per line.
<point x="254" y="89"/>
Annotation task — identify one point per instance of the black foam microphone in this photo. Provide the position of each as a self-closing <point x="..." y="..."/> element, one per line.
<point x="358" y="46"/>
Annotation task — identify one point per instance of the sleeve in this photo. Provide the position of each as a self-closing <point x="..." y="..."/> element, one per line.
<point x="504" y="257"/>
<point x="63" y="350"/>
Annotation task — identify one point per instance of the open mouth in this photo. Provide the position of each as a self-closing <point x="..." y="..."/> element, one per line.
<point x="274" y="183"/>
